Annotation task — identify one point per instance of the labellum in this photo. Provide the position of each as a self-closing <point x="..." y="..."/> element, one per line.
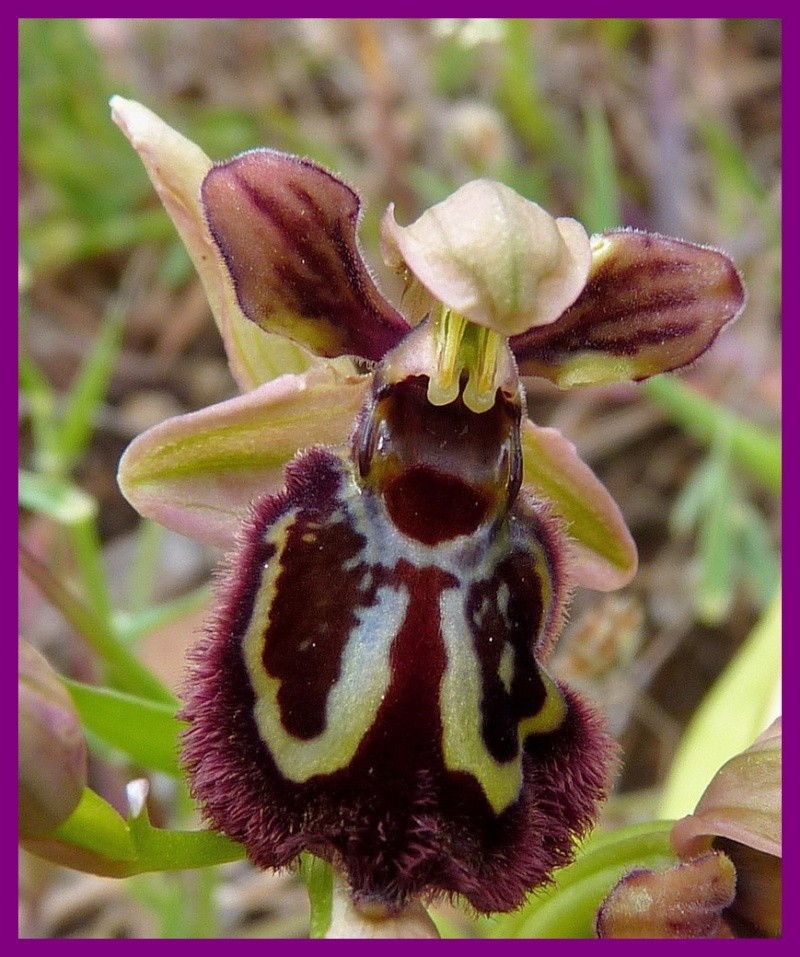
<point x="370" y="689"/>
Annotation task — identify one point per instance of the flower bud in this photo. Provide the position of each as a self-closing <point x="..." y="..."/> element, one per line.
<point x="52" y="747"/>
<point x="684" y="901"/>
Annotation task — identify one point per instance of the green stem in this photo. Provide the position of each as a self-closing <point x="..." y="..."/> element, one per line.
<point x="145" y="563"/>
<point x="125" y="671"/>
<point x="318" y="878"/>
<point x="88" y="554"/>
<point x="756" y="449"/>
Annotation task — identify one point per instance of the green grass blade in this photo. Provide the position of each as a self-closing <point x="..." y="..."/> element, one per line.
<point x="158" y="849"/>
<point x="755" y="449"/>
<point x="567" y="907"/>
<point x="65" y="503"/>
<point x="145" y="730"/>
<point x="601" y="204"/>
<point x="714" y="588"/>
<point x="518" y="92"/>
<point x="759" y="561"/>
<point x="41" y="408"/>
<point x="129" y="627"/>
<point x="318" y="878"/>
<point x="89" y="389"/>
<point x="731" y="716"/>
<point x="97" y="840"/>
<point x="124" y="670"/>
<point x="144" y="566"/>
<point x="57" y="498"/>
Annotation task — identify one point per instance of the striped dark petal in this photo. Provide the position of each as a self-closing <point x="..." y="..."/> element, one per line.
<point x="377" y="699"/>
<point x="651" y="304"/>
<point x="286" y="230"/>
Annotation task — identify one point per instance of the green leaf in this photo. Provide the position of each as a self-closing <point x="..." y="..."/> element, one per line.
<point x="733" y="713"/>
<point x="96" y="826"/>
<point x="89" y="389"/>
<point x="567" y="908"/>
<point x="518" y="92"/>
<point x="90" y="179"/>
<point x="94" y="839"/>
<point x="57" y="498"/>
<point x="692" y="499"/>
<point x="738" y="189"/>
<point x="759" y="562"/>
<point x="147" y="731"/>
<point x="65" y="503"/>
<point x="125" y="671"/>
<point x="158" y="849"/>
<point x="130" y="627"/>
<point x="41" y="408"/>
<point x="735" y="541"/>
<point x="144" y="567"/>
<point x="97" y="840"/>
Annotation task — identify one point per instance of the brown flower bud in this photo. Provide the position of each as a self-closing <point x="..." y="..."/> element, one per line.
<point x="52" y="747"/>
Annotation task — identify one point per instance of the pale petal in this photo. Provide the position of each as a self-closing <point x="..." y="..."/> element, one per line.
<point x="742" y="802"/>
<point x="651" y="304"/>
<point x="198" y="473"/>
<point x="177" y="167"/>
<point x="604" y="552"/>
<point x="286" y="229"/>
<point x="497" y="259"/>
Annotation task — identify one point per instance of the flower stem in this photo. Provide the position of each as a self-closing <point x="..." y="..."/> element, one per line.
<point x="318" y="878"/>
<point x="754" y="448"/>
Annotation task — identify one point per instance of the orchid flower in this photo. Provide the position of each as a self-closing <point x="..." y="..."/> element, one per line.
<point x="371" y="686"/>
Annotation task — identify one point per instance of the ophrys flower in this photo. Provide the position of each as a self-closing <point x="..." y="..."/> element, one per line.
<point x="371" y="686"/>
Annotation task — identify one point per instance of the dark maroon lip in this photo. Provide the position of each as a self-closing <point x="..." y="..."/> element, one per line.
<point x="434" y="507"/>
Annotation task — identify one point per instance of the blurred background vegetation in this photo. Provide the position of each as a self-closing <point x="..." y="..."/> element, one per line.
<point x="667" y="125"/>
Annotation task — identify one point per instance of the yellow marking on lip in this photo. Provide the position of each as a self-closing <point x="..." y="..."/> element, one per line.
<point x="461" y="695"/>
<point x="506" y="667"/>
<point x="552" y="713"/>
<point x="353" y="701"/>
